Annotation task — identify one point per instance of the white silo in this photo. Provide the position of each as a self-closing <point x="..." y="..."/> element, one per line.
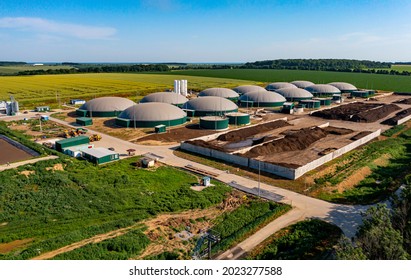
<point x="184" y="87"/>
<point x="177" y="86"/>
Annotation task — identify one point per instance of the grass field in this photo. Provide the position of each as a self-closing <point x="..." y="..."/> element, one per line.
<point x="307" y="240"/>
<point x="9" y="70"/>
<point x="361" y="80"/>
<point x="42" y="89"/>
<point x="55" y="203"/>
<point x="401" y="67"/>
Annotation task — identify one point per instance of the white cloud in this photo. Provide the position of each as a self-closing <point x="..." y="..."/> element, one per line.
<point x="58" y="28"/>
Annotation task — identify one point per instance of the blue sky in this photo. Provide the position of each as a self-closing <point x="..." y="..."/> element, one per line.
<point x="203" y="31"/>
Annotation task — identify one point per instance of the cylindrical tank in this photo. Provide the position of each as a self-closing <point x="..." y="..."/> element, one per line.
<point x="310" y="103"/>
<point x="238" y="118"/>
<point x="214" y="122"/>
<point x="324" y="101"/>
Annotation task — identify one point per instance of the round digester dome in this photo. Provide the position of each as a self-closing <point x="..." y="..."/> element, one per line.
<point x="104" y="107"/>
<point x="344" y="87"/>
<point x="247" y="88"/>
<point x="262" y="99"/>
<point x="323" y="90"/>
<point x="151" y="114"/>
<point x="279" y="85"/>
<point x="295" y="94"/>
<point x="209" y="106"/>
<point x="220" y="92"/>
<point x="165" y="97"/>
<point x="302" y="84"/>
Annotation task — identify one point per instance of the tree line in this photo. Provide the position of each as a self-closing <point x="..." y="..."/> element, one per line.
<point x="100" y="69"/>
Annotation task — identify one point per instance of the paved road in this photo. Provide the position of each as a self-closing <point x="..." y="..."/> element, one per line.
<point x="346" y="217"/>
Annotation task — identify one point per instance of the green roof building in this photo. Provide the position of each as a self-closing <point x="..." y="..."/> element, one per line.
<point x="70" y="142"/>
<point x="100" y="155"/>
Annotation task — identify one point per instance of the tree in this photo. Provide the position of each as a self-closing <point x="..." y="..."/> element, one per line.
<point x="345" y="250"/>
<point x="401" y="217"/>
<point x="377" y="237"/>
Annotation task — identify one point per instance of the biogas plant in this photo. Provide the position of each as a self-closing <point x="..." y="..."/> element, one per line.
<point x="283" y="128"/>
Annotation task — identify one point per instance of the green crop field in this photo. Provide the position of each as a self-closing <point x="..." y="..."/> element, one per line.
<point x="9" y="70"/>
<point x="361" y="80"/>
<point x="43" y="89"/>
<point x="401" y="67"/>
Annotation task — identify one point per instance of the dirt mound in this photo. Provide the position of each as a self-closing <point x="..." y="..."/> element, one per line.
<point x="293" y="141"/>
<point x="360" y="135"/>
<point x="404" y="101"/>
<point x="242" y="134"/>
<point x="375" y="114"/>
<point x="400" y="115"/>
<point x="337" y="130"/>
<point x="204" y="144"/>
<point x="358" y="112"/>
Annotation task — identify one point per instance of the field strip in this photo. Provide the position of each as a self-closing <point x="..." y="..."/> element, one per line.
<point x="151" y="224"/>
<point x="17" y="164"/>
<point x="95" y="239"/>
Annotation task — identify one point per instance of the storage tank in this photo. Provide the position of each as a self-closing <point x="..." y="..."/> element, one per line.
<point x="313" y="104"/>
<point x="324" y="101"/>
<point x="214" y="122"/>
<point x="238" y="118"/>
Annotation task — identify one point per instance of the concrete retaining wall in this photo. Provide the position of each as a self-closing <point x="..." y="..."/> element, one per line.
<point x="282" y="171"/>
<point x="403" y="120"/>
<point x="318" y="162"/>
<point x="243" y="161"/>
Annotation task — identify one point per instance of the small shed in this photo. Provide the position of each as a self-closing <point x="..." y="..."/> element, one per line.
<point x="205" y="181"/>
<point x="44" y="117"/>
<point x="100" y="155"/>
<point x="287" y="107"/>
<point x="83" y="121"/>
<point x="161" y="128"/>
<point x="147" y="162"/>
<point x="77" y="101"/>
<point x="42" y="109"/>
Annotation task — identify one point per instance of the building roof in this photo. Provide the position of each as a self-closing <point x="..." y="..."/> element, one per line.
<point x="294" y="93"/>
<point x="221" y="92"/>
<point x="78" y="147"/>
<point x="107" y="104"/>
<point x="343" y="86"/>
<point x="210" y="104"/>
<point x="70" y="140"/>
<point x="99" y="152"/>
<point x="152" y="111"/>
<point x="302" y="84"/>
<point x="279" y="85"/>
<point x="165" y="97"/>
<point x="263" y="97"/>
<point x="321" y="88"/>
<point x="247" y="88"/>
